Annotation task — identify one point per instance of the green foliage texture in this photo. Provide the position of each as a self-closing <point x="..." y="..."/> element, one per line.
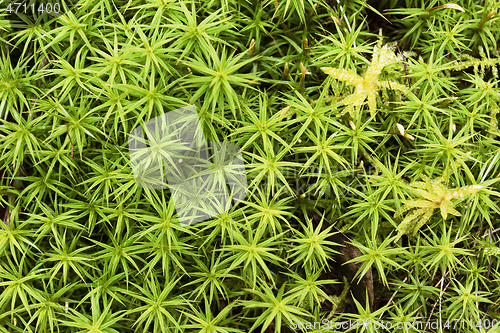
<point x="381" y="117"/>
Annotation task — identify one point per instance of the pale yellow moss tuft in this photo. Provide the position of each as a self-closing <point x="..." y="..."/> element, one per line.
<point x="433" y="195"/>
<point x="368" y="85"/>
<point x="492" y="251"/>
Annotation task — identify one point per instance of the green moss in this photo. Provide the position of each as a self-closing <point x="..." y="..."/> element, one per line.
<point x="333" y="119"/>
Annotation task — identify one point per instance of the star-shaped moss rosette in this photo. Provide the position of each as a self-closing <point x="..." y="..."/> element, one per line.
<point x="368" y="85"/>
<point x="434" y="195"/>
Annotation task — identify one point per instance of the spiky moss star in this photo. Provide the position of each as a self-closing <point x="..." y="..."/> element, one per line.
<point x="434" y="195"/>
<point x="367" y="86"/>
